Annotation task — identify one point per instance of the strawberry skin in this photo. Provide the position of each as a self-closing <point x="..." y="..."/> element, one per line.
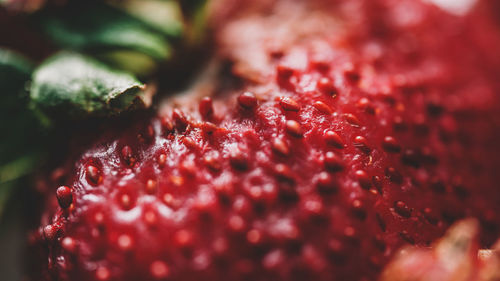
<point x="315" y="163"/>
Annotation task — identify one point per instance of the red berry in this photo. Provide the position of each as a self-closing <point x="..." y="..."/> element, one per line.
<point x="296" y="177"/>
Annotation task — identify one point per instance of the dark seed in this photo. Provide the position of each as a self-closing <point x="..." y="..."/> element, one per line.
<point x="289" y="104"/>
<point x="206" y="107"/>
<point x="402" y="209"/>
<point x="391" y="145"/>
<point x="64" y="196"/>
<point x="247" y="100"/>
<point x="333" y="162"/>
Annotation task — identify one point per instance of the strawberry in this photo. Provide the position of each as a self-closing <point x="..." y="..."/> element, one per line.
<point x="454" y="257"/>
<point x="316" y="158"/>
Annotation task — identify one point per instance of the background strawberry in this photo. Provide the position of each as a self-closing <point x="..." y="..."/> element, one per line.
<point x="454" y="257"/>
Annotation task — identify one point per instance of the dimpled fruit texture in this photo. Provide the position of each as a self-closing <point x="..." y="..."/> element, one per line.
<point x="341" y="132"/>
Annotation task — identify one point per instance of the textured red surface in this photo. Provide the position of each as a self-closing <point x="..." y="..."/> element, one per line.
<point x="336" y="138"/>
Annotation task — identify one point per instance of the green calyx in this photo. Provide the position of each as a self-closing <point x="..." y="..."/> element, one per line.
<point x="76" y="86"/>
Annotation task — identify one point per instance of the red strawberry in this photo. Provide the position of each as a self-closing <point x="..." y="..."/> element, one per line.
<point x="455" y="257"/>
<point x="314" y="160"/>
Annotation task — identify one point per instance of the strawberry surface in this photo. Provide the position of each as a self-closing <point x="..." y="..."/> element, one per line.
<point x="314" y="157"/>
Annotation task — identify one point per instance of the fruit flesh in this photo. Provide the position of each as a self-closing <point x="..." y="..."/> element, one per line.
<point x="316" y="158"/>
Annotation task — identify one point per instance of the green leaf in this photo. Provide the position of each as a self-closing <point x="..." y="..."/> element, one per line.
<point x="134" y="62"/>
<point x="14" y="71"/>
<point x="17" y="168"/>
<point x="165" y="16"/>
<point x="72" y="85"/>
<point x="94" y="27"/>
<point x="20" y="141"/>
<point x="18" y="123"/>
